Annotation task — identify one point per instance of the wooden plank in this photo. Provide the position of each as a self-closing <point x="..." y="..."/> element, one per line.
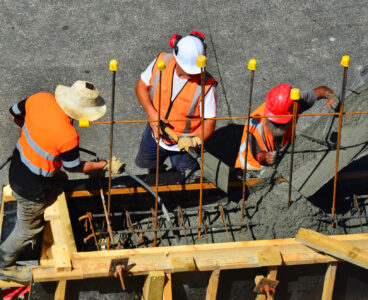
<point x="154" y="285"/>
<point x="208" y="257"/>
<point x="182" y="264"/>
<point x="213" y="285"/>
<point x="43" y="274"/>
<point x="333" y="247"/>
<point x="329" y="282"/>
<point x="61" y="257"/>
<point x="272" y="274"/>
<point x="47" y="242"/>
<point x="167" y="295"/>
<point x="60" y="290"/>
<point x="270" y="257"/>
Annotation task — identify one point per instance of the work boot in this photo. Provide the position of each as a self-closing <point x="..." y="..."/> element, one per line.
<point x="7" y="259"/>
<point x="17" y="273"/>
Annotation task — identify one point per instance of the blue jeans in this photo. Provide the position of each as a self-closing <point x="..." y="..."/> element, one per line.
<point x="147" y="155"/>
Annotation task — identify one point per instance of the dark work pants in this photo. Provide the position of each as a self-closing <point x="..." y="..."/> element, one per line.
<point x="29" y="224"/>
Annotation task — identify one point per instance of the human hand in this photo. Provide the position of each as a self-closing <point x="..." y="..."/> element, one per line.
<point x="266" y="158"/>
<point x="196" y="142"/>
<point x="184" y="143"/>
<point x="116" y="166"/>
<point x="156" y="129"/>
<point x="333" y="103"/>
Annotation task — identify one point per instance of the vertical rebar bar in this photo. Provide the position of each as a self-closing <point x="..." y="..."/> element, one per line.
<point x="161" y="66"/>
<point x="295" y="96"/>
<point x="113" y="67"/>
<point x="345" y="63"/>
<point x="252" y="67"/>
<point x="201" y="62"/>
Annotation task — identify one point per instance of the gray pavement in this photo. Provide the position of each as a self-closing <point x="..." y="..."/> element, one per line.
<point x="46" y="43"/>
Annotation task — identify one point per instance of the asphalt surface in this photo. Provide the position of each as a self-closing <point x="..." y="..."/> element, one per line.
<point x="46" y="43"/>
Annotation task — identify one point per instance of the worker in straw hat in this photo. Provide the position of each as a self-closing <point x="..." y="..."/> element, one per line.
<point x="180" y="94"/>
<point x="48" y="141"/>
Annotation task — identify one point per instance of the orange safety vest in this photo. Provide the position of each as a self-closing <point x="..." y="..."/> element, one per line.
<point x="47" y="132"/>
<point x="185" y="105"/>
<point x="263" y="137"/>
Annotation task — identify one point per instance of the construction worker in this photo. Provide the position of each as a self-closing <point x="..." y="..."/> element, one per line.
<point x="180" y="94"/>
<point x="47" y="142"/>
<point x="268" y="135"/>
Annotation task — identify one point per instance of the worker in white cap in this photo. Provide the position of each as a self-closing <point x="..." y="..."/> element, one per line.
<point x="180" y="95"/>
<point x="48" y="141"/>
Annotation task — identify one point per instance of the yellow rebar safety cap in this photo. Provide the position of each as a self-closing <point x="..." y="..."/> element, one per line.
<point x="161" y="65"/>
<point x="252" y="64"/>
<point x="113" y="65"/>
<point x="345" y="61"/>
<point x="295" y="94"/>
<point x="201" y="61"/>
<point x="84" y="123"/>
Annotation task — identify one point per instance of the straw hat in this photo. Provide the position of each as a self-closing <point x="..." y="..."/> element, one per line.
<point x="80" y="101"/>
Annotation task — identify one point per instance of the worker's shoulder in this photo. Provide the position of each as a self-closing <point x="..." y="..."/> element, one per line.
<point x="44" y="95"/>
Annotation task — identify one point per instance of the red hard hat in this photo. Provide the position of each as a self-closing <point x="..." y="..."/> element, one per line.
<point x="278" y="102"/>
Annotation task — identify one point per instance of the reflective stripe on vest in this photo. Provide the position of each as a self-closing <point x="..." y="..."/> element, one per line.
<point x="47" y="132"/>
<point x="156" y="76"/>
<point x="186" y="102"/>
<point x="263" y="138"/>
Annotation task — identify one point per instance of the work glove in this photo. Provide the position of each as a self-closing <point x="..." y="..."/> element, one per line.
<point x="184" y="143"/>
<point x="333" y="103"/>
<point x="196" y="142"/>
<point x="116" y="166"/>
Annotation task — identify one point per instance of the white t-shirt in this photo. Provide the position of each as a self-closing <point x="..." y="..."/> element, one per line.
<point x="210" y="100"/>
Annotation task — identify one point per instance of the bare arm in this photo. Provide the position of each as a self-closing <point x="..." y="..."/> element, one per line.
<point x="89" y="166"/>
<point x="209" y="128"/>
<point x="143" y="97"/>
<point x="323" y="92"/>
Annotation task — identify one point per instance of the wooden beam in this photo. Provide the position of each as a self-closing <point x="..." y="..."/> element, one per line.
<point x="208" y="257"/>
<point x="167" y="288"/>
<point x="60" y="290"/>
<point x="213" y="285"/>
<point x="329" y="282"/>
<point x="333" y="247"/>
<point x="47" y="242"/>
<point x="270" y="257"/>
<point x="182" y="264"/>
<point x="154" y="285"/>
<point x="61" y="257"/>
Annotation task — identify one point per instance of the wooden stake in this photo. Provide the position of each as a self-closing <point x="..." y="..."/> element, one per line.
<point x="213" y="285"/>
<point x="328" y="285"/>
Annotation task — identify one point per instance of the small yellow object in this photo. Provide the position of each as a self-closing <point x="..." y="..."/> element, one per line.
<point x="295" y="94"/>
<point x="345" y="61"/>
<point x="201" y="61"/>
<point x="161" y="65"/>
<point x="113" y="65"/>
<point x="84" y="123"/>
<point x="252" y="64"/>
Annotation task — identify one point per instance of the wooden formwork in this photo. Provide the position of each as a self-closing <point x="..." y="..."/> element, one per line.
<point x="60" y="260"/>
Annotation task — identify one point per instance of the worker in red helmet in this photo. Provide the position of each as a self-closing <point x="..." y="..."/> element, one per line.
<point x="268" y="135"/>
<point x="180" y="99"/>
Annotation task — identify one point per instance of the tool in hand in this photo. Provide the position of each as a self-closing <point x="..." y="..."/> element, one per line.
<point x="345" y="61"/>
<point x="295" y="96"/>
<point x="252" y="66"/>
<point x="213" y="169"/>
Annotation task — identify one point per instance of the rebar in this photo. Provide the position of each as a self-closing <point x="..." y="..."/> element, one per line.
<point x="246" y="146"/>
<point x="339" y="138"/>
<point x="293" y="127"/>
<point x="202" y="149"/>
